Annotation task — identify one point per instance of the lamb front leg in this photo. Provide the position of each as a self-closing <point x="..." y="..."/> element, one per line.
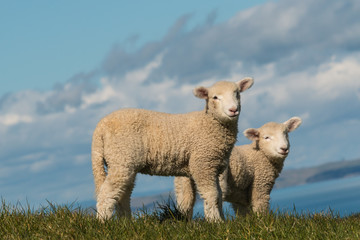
<point x="185" y="193"/>
<point x="260" y="197"/>
<point x="207" y="183"/>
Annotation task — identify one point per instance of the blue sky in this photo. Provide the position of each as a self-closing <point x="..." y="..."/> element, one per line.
<point x="65" y="65"/>
<point x="47" y="42"/>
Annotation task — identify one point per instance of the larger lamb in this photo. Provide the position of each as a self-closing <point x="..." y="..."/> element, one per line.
<point x="195" y="144"/>
<point x="252" y="171"/>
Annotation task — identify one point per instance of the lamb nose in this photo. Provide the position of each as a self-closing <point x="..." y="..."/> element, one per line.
<point x="285" y="149"/>
<point x="233" y="109"/>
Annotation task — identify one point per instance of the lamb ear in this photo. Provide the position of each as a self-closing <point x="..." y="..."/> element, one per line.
<point x="201" y="92"/>
<point x="252" y="134"/>
<point x="245" y="83"/>
<point x="293" y="123"/>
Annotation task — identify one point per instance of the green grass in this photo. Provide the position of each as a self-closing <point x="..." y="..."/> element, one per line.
<point x="69" y="222"/>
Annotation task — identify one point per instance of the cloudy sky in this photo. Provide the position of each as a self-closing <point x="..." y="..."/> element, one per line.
<point x="65" y="65"/>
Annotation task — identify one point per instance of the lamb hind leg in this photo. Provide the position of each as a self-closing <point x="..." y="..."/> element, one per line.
<point x="185" y="195"/>
<point x="240" y="209"/>
<point x="122" y="206"/>
<point x="116" y="188"/>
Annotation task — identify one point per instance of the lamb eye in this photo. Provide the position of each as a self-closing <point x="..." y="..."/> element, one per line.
<point x="215" y="97"/>
<point x="267" y="137"/>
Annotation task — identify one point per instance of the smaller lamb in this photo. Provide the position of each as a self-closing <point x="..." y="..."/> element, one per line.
<point x="252" y="171"/>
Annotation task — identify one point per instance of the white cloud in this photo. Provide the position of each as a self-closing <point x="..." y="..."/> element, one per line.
<point x="7" y="172"/>
<point x="101" y="95"/>
<point x="20" y="107"/>
<point x="140" y="75"/>
<point x="125" y="89"/>
<point x="32" y="156"/>
<point x="338" y="78"/>
<point x="13" y="119"/>
<point x="82" y="159"/>
<point x="331" y="80"/>
<point x="41" y="165"/>
<point x="280" y="23"/>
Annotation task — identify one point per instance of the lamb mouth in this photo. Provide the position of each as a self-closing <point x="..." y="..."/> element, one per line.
<point x="235" y="114"/>
<point x="283" y="153"/>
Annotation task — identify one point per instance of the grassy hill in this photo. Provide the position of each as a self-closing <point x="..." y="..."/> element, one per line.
<point x="67" y="222"/>
<point x="55" y="222"/>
